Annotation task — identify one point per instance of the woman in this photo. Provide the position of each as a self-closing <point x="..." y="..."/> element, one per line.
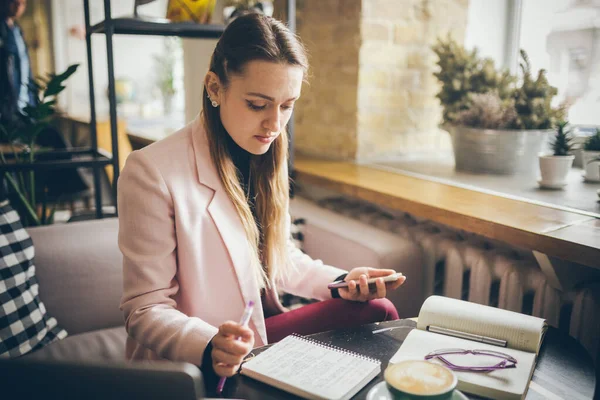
<point x="204" y="225"/>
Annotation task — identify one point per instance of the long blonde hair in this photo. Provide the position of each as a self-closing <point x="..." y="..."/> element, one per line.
<point x="256" y="37"/>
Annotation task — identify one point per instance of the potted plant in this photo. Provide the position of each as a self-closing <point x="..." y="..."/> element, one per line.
<point x="19" y="136"/>
<point x="480" y="140"/>
<point x="591" y="157"/>
<point x="504" y="131"/>
<point x="556" y="166"/>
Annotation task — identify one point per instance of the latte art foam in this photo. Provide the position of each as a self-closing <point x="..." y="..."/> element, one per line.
<point x="419" y="377"/>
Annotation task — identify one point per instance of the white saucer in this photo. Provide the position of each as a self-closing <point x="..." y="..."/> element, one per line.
<point x="551" y="185"/>
<point x="381" y="392"/>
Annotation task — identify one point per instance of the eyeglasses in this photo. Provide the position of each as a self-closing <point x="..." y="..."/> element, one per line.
<point x="507" y="360"/>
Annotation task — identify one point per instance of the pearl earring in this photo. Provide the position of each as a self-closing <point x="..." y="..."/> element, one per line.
<point x="213" y="102"/>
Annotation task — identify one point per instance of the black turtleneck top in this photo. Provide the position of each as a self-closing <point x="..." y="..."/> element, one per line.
<point x="241" y="159"/>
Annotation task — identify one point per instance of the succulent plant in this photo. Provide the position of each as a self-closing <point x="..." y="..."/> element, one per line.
<point x="562" y="140"/>
<point x="593" y="142"/>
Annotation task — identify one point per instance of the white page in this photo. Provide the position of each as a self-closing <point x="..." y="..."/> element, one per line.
<point x="510" y="383"/>
<point x="522" y="332"/>
<point x="324" y="372"/>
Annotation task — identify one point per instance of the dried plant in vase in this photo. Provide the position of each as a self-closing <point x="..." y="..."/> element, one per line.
<point x="164" y="70"/>
<point x="516" y="114"/>
<point x="488" y="111"/>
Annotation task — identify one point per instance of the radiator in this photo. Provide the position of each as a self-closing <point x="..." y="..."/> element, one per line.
<point x="465" y="266"/>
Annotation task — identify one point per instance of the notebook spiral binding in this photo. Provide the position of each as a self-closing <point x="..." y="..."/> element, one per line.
<point x="335" y="348"/>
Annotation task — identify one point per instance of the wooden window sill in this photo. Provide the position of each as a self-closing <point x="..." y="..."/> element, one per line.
<point x="565" y="234"/>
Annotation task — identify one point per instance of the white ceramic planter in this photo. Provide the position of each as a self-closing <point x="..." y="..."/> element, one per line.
<point x="554" y="170"/>
<point x="592" y="169"/>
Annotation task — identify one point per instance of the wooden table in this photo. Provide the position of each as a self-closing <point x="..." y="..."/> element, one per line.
<point x="564" y="369"/>
<point x="567" y="235"/>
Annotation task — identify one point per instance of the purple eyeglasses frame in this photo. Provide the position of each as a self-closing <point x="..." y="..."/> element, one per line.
<point x="507" y="360"/>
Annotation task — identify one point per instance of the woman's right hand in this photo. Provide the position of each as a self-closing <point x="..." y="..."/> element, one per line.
<point x="230" y="345"/>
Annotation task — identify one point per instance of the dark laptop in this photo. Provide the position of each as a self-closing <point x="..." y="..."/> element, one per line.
<point x="44" y="380"/>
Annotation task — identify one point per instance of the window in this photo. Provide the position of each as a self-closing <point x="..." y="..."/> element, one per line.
<point x="148" y="69"/>
<point x="563" y="37"/>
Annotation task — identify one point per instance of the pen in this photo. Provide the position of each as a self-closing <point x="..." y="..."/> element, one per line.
<point x="243" y="321"/>
<point x="465" y="335"/>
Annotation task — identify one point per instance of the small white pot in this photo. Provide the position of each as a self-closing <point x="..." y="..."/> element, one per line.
<point x="555" y="169"/>
<point x="592" y="169"/>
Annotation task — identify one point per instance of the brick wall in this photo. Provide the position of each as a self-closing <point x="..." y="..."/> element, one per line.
<point x="326" y="115"/>
<point x="372" y="93"/>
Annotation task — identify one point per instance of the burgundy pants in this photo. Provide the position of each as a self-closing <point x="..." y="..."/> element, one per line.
<point x="327" y="315"/>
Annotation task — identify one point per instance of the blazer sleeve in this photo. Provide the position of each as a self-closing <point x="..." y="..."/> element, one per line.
<point x="307" y="277"/>
<point x="148" y="242"/>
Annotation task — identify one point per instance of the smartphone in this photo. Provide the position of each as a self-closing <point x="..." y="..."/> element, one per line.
<point x="371" y="281"/>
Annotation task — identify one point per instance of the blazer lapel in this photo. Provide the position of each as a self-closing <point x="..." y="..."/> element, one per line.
<point x="229" y="225"/>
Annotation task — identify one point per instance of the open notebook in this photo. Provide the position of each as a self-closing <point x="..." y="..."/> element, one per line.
<point x="311" y="369"/>
<point x="521" y="333"/>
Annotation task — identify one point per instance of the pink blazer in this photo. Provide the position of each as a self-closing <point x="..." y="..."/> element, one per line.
<point x="185" y="260"/>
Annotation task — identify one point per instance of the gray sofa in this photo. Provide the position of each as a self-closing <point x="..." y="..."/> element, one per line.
<point x="78" y="266"/>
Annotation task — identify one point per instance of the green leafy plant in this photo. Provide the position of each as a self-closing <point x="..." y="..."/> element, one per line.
<point x="464" y="74"/>
<point x="593" y="142"/>
<point x="562" y="142"/>
<point x="20" y="133"/>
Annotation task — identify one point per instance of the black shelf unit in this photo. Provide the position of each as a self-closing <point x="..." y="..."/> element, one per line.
<point x="139" y="26"/>
<point x="78" y="157"/>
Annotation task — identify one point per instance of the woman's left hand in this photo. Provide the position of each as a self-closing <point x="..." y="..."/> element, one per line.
<point x="362" y="291"/>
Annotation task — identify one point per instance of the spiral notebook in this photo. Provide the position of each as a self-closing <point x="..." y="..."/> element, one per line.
<point x="311" y="369"/>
